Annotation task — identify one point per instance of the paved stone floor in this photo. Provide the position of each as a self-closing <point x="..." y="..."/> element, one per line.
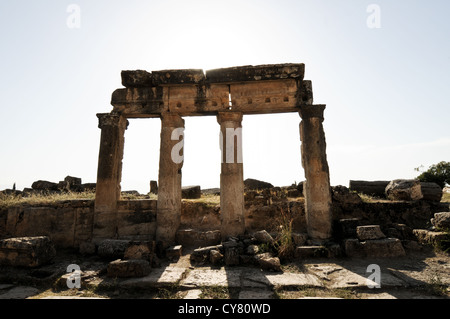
<point x="419" y="276"/>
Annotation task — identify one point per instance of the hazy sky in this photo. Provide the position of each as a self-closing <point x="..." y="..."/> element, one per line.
<point x="384" y="78"/>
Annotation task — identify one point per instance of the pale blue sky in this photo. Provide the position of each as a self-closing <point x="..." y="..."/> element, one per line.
<point x="386" y="89"/>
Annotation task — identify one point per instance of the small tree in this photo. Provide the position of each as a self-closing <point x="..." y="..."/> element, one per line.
<point x="437" y="173"/>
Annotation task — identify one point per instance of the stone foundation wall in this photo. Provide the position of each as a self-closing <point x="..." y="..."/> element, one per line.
<point x="70" y="223"/>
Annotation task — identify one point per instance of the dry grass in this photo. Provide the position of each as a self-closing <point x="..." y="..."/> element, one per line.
<point x="7" y="201"/>
<point x="208" y="200"/>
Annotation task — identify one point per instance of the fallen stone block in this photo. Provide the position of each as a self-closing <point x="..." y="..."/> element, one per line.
<point x="371" y="188"/>
<point x="264" y="237"/>
<point x="44" y="186"/>
<point x="427" y="237"/>
<point x="26" y="251"/>
<point x="388" y="247"/>
<point x="267" y="262"/>
<point x="173" y="253"/>
<point x="197" y="238"/>
<point x="202" y="254"/>
<point x="140" y="250"/>
<point x="215" y="257"/>
<point x="113" y="248"/>
<point x="431" y="191"/>
<point x="441" y="220"/>
<point x="87" y="248"/>
<point x="369" y="232"/>
<point x="404" y="189"/>
<point x="128" y="268"/>
<point x="231" y="257"/>
<point x="191" y="192"/>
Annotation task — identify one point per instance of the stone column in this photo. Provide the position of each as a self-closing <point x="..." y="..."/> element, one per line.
<point x="168" y="214"/>
<point x="317" y="186"/>
<point x="109" y="174"/>
<point x="232" y="175"/>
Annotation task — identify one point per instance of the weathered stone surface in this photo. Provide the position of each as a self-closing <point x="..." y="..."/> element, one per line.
<point x="160" y="277"/>
<point x="191" y="192"/>
<point x="343" y="195"/>
<point x="128" y="268"/>
<point x="316" y="189"/>
<point x="371" y="188"/>
<point x="113" y="248"/>
<point x="174" y="253"/>
<point x="388" y="247"/>
<point x="143" y="251"/>
<point x="252" y="250"/>
<point x="215" y="257"/>
<point x="264" y="237"/>
<point x="203" y="254"/>
<point x="404" y="189"/>
<point x="255" y="294"/>
<point x="254" y="184"/>
<point x="72" y="180"/>
<point x="201" y="277"/>
<point x="441" y="220"/>
<point x="231" y="257"/>
<point x="369" y="232"/>
<point x="256" y="73"/>
<point x="428" y="237"/>
<point x="136" y="79"/>
<point x="196" y="238"/>
<point x="193" y="294"/>
<point x="267" y="262"/>
<point x="431" y="191"/>
<point x="299" y="239"/>
<point x="21" y="292"/>
<point x="44" y="185"/>
<point x="153" y="187"/>
<point x="26" y="251"/>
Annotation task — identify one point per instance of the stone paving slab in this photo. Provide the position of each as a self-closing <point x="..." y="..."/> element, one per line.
<point x="20" y="292"/>
<point x="206" y="276"/>
<point x="159" y="277"/>
<point x="256" y="279"/>
<point x="193" y="294"/>
<point x="256" y="294"/>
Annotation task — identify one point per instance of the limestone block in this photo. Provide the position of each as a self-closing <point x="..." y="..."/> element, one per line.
<point x="404" y="189"/>
<point x="441" y="220"/>
<point x="191" y="192"/>
<point x="431" y="191"/>
<point x="113" y="248"/>
<point x="26" y="251"/>
<point x="311" y="251"/>
<point x="173" y="253"/>
<point x="128" y="268"/>
<point x="353" y="248"/>
<point x="388" y="247"/>
<point x="369" y="232"/>
<point x="264" y="237"/>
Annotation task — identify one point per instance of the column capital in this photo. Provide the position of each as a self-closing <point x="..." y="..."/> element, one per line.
<point x="229" y="117"/>
<point x="109" y="119"/>
<point x="172" y="120"/>
<point x="310" y="111"/>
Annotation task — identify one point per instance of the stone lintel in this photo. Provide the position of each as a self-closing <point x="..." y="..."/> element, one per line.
<point x="256" y="73"/>
<point x="257" y="97"/>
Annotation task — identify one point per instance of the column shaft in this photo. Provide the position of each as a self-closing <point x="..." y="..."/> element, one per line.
<point x="109" y="174"/>
<point x="231" y="176"/>
<point x="168" y="216"/>
<point x="314" y="161"/>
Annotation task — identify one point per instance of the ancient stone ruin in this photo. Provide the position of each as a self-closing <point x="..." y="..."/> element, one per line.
<point x="228" y="94"/>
